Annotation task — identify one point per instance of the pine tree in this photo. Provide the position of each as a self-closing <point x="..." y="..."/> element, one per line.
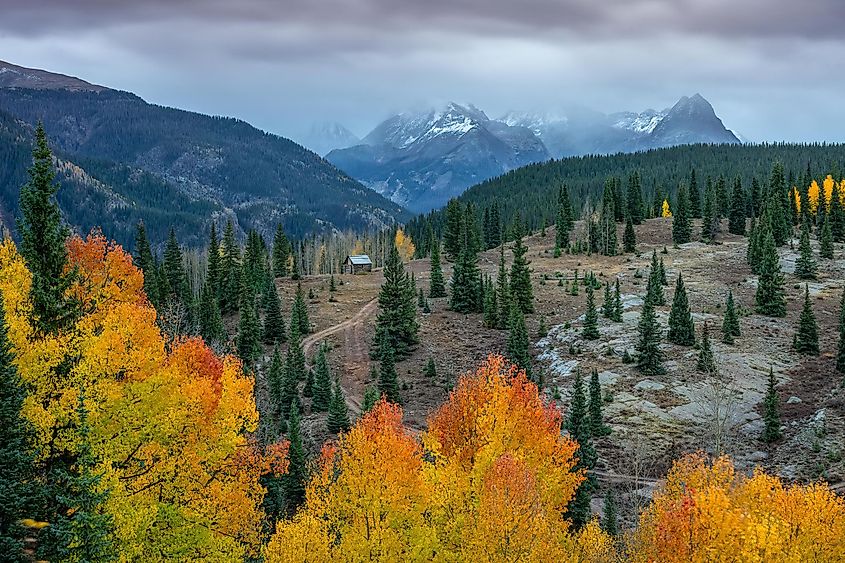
<point x="296" y="267"/>
<point x="635" y="199"/>
<point x="681" y="327"/>
<point x="299" y="312"/>
<point x="840" y="351"/>
<point x="174" y="270"/>
<point x="308" y="389"/>
<point x="454" y="230"/>
<point x="230" y="269"/>
<point x="281" y="252"/>
<point x="293" y="481"/>
<point x="430" y="370"/>
<point x="578" y="424"/>
<point x="650" y="359"/>
<point x="826" y="240"/>
<point x="249" y="332"/>
<point x="397" y="317"/>
<point x="607" y="221"/>
<point x="629" y="239"/>
<point x="752" y="253"/>
<point x="681" y="223"/>
<point x="371" y="397"/>
<point x="769" y="297"/>
<point x="610" y="518"/>
<point x="710" y="220"/>
<point x="211" y="326"/>
<point x="730" y="322"/>
<point x="706" y="362"/>
<point x="83" y="531"/>
<point x="322" y="382"/>
<point x="388" y="382"/>
<point x="654" y="289"/>
<point x="338" y="419"/>
<point x="736" y="219"/>
<point x="806" y="340"/>
<point x="775" y="205"/>
<point x="466" y="290"/>
<point x="18" y="488"/>
<point x="520" y="279"/>
<point x="805" y="266"/>
<point x="42" y="236"/>
<point x="591" y="317"/>
<point x="295" y="357"/>
<point x="503" y="294"/>
<point x="563" y="220"/>
<point x="274" y="322"/>
<point x="694" y="196"/>
<point x="617" y="304"/>
<point x="145" y="261"/>
<point x="837" y="215"/>
<point x="491" y="306"/>
<point x="597" y="425"/>
<point x="518" y="344"/>
<point x="437" y="287"/>
<point x="771" y="411"/>
<point x="608" y="305"/>
<point x="276" y="385"/>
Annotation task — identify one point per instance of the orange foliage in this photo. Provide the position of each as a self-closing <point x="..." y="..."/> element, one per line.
<point x="707" y="512"/>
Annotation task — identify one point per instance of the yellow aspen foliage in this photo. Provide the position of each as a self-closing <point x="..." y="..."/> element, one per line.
<point x="813" y="194"/>
<point x="666" y="212"/>
<point x="404" y="245"/>
<point x="827" y="185"/>
<point x="707" y="512"/>
<point x="358" y="248"/>
<point x="796" y="196"/>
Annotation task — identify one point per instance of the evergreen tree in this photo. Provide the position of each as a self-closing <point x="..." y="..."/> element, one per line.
<point x="503" y="294"/>
<point x="214" y="273"/>
<point x="281" y="252"/>
<point x="295" y="357"/>
<point x="736" y="219"/>
<point x="806" y="340"/>
<point x="617" y="304"/>
<point x="371" y="397"/>
<point x="730" y="322"/>
<point x="308" y="390"/>
<point x="563" y="220"/>
<point x="755" y="200"/>
<point x="608" y="305"/>
<point x="579" y="426"/>
<point x="629" y="239"/>
<point x="650" y="359"/>
<point x="276" y="384"/>
<point x="42" y="237"/>
<point x="83" y="531"/>
<point x="491" y="306"/>
<point x="610" y="519"/>
<point x="338" y="419"/>
<point x="654" y="289"/>
<point x="293" y="481"/>
<point x="769" y="297"/>
<point x="211" y="326"/>
<point x="694" y="196"/>
<point x="518" y="344"/>
<point x="454" y="231"/>
<point x="591" y="317"/>
<point x="635" y="199"/>
<point x="752" y="254"/>
<point x="145" y="261"/>
<point x="230" y="281"/>
<point x="466" y="290"/>
<point x="597" y="425"/>
<point x="706" y="362"/>
<point x="18" y="489"/>
<point x="771" y="411"/>
<point x="805" y="266"/>
<point x="495" y="226"/>
<point x="322" y="381"/>
<point x="520" y="279"/>
<point x="826" y="240"/>
<point x="397" y="318"/>
<point x="681" y="327"/>
<point x="296" y="267"/>
<point x="274" y="322"/>
<point x="430" y="370"/>
<point x="174" y="270"/>
<point x="711" y="219"/>
<point x="249" y="332"/>
<point x="607" y="221"/>
<point x="388" y="382"/>
<point x="299" y="312"/>
<point x="837" y="214"/>
<point x="775" y="205"/>
<point x="840" y="351"/>
<point x="681" y="222"/>
<point x="436" y="287"/>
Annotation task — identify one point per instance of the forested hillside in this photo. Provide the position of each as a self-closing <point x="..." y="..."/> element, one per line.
<point x="532" y="191"/>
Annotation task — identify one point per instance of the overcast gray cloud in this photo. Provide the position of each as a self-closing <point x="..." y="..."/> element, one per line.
<point x="773" y="69"/>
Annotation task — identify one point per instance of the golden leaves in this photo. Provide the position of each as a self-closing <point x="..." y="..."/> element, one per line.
<point x="404" y="245"/>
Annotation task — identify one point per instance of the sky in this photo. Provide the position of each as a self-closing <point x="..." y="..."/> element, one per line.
<point x="773" y="69"/>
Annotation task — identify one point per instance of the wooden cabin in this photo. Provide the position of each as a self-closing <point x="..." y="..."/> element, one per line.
<point x="357" y="263"/>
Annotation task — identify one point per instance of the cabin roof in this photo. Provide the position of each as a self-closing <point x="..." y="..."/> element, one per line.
<point x="359" y="260"/>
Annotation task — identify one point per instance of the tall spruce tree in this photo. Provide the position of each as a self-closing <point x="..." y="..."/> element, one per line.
<point x="295" y="357"/>
<point x="214" y="271"/>
<point x="437" y="287"/>
<point x="681" y="327"/>
<point x="503" y="293"/>
<point x="591" y="317"/>
<point x="635" y="198"/>
<point x="276" y="387"/>
<point x="518" y="343"/>
<point x="617" y="304"/>
<point x="607" y="305"/>
<point x="826" y="240"/>
<point x="322" y="381"/>
<point x="563" y="220"/>
<point x="654" y="288"/>
<point x="706" y="362"/>
<point x="338" y="419"/>
<point x="230" y="269"/>
<point x="771" y="412"/>
<point x="18" y="486"/>
<point x="299" y="312"/>
<point x="610" y="518"/>
<point x="388" y="381"/>
<point x="42" y="236"/>
<point x="736" y="219"/>
<point x="694" y="196"/>
<point x="397" y="318"/>
<point x="650" y="357"/>
<point x="579" y="425"/>
<point x="769" y="297"/>
<point x="454" y="230"/>
<point x="281" y="252"/>
<point x="146" y="262"/>
<point x="274" y="322"/>
<point x="840" y="350"/>
<point x="730" y="322"/>
<point x="806" y="340"/>
<point x="466" y="288"/>
<point x="805" y="265"/>
<point x="629" y="238"/>
<point x="837" y="214"/>
<point x="293" y="481"/>
<point x="174" y="270"/>
<point x="681" y="221"/>
<point x="249" y="331"/>
<point x="211" y="326"/>
<point x="597" y="425"/>
<point x="607" y="221"/>
<point x="521" y="291"/>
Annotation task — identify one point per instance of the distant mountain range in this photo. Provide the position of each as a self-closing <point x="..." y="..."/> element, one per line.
<point x="122" y="160"/>
<point x="422" y="159"/>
